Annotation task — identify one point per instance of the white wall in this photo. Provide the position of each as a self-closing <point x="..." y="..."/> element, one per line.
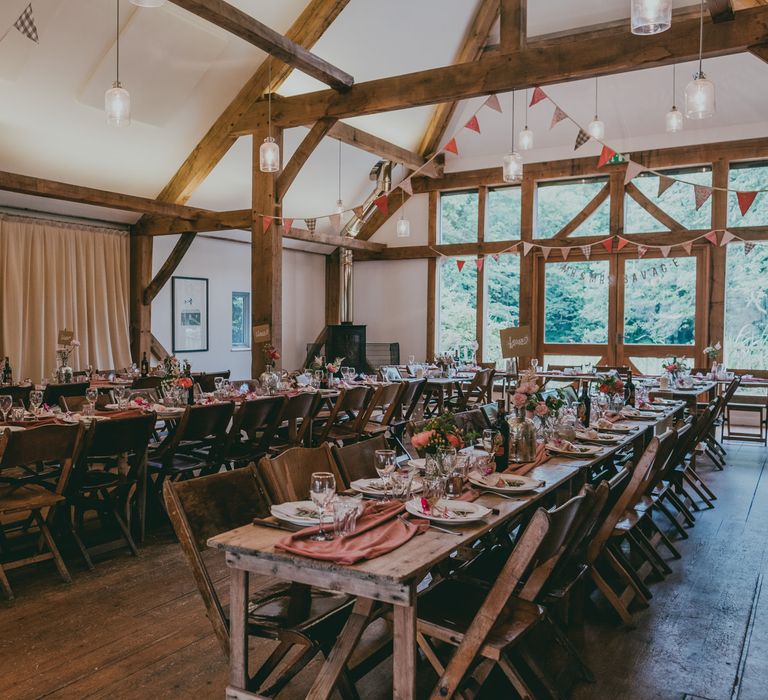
<point x="303" y="304"/>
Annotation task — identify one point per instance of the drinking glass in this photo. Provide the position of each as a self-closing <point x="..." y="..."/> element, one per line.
<point x="402" y="479"/>
<point x="446" y="457"/>
<point x="434" y="489"/>
<point x="322" y="489"/>
<point x="17" y="414"/>
<point x="345" y="373"/>
<point x="534" y="364"/>
<point x="345" y="513"/>
<point x="91" y="395"/>
<point x="385" y="463"/>
<point x="218" y="382"/>
<point x="489" y="440"/>
<point x="318" y="376"/>
<point x="6" y="402"/>
<point x="119" y="392"/>
<point x="411" y="359"/>
<point x="35" y="401"/>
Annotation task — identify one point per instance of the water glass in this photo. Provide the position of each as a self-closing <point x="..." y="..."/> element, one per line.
<point x="6" y="402"/>
<point x="385" y="462"/>
<point x="89" y="410"/>
<point x="92" y="394"/>
<point x="218" y="383"/>
<point x="434" y="489"/>
<point x="17" y="414"/>
<point x="345" y="513"/>
<point x="402" y="479"/>
<point x="35" y="401"/>
<point x="445" y="459"/>
<point x="322" y="490"/>
<point x="119" y="392"/>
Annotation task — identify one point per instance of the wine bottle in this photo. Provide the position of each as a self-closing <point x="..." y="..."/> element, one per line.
<point x="144" y="365"/>
<point x="501" y="453"/>
<point x="586" y="402"/>
<point x="7" y="372"/>
<point x="629" y="390"/>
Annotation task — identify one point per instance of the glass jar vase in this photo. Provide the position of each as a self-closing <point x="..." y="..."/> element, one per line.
<point x="522" y="439"/>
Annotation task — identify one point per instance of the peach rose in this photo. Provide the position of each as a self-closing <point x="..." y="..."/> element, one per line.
<point x="541" y="409"/>
<point x="519" y="400"/>
<point x="454" y="441"/>
<point x="421" y="440"/>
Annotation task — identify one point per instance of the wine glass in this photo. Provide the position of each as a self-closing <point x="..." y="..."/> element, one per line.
<point x="218" y="383"/>
<point x="6" y="401"/>
<point x="411" y="359"/>
<point x="322" y="489"/>
<point x="35" y="401"/>
<point x="119" y="392"/>
<point x="91" y="394"/>
<point x="385" y="463"/>
<point x="534" y="364"/>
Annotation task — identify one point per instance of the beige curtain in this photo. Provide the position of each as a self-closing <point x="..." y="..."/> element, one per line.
<point x="58" y="275"/>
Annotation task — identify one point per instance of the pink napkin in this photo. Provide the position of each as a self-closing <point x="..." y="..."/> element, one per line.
<point x="522" y="469"/>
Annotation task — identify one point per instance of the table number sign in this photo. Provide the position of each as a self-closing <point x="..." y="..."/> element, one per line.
<point x="66" y="337"/>
<point x="516" y="342"/>
<point x="261" y="333"/>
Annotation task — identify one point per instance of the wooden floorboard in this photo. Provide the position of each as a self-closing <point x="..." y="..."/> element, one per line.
<point x="135" y="628"/>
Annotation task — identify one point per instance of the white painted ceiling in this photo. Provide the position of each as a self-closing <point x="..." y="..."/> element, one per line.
<point x="181" y="72"/>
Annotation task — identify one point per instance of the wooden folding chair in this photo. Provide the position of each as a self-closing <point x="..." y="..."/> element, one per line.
<point x="382" y="408"/>
<point x="479" y="392"/>
<point x="346" y="420"/>
<point x="296" y="422"/>
<point x="409" y="400"/>
<point x="253" y="428"/>
<point x="355" y="461"/>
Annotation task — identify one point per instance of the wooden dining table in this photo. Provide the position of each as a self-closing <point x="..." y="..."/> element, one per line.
<point x="391" y="579"/>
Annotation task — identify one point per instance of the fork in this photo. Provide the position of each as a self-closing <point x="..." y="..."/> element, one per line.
<point x="435" y="527"/>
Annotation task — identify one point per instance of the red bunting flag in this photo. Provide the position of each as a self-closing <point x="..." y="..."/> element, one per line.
<point x="538" y="96"/>
<point x="641" y="251"/>
<point x="607" y="244"/>
<point x="473" y="124"/>
<point x="622" y="242"/>
<point x="587" y="250"/>
<point x="266" y="222"/>
<point x="702" y="193"/>
<point x="565" y="253"/>
<point x="493" y="103"/>
<point x="451" y="147"/>
<point x="746" y="200"/>
<point x="382" y="204"/>
<point x="557" y="116"/>
<point x="665" y="250"/>
<point x="687" y="247"/>
<point x="479" y="263"/>
<point x="287" y="225"/>
<point x="664" y="184"/>
<point x="605" y="155"/>
<point x="460" y="264"/>
<point x="727" y="238"/>
<point x="711" y="237"/>
<point x="749" y="246"/>
<point x="407" y="186"/>
<point x="527" y="248"/>
<point x="545" y="252"/>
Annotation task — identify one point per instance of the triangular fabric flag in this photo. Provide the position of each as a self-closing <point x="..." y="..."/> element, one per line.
<point x="407" y="186"/>
<point x="311" y="224"/>
<point x="473" y="124"/>
<point x="460" y="264"/>
<point x="687" y="247"/>
<point x="605" y="155"/>
<point x="546" y="251"/>
<point x="479" y="263"/>
<point x="493" y="103"/>
<point x="581" y="138"/>
<point x="266" y="222"/>
<point x="587" y="250"/>
<point x="382" y="204"/>
<point x="26" y="24"/>
<point x="633" y="170"/>
<point x="665" y="250"/>
<point x="622" y="242"/>
<point x="538" y="96"/>
<point x="359" y="211"/>
<point x="451" y="147"/>
<point x="727" y="238"/>
<point x="664" y="184"/>
<point x="607" y="244"/>
<point x="335" y="220"/>
<point x="641" y="251"/>
<point x="702" y="193"/>
<point x="745" y="200"/>
<point x="287" y="225"/>
<point x="749" y="246"/>
<point x="711" y="237"/>
<point x="565" y="253"/>
<point x="557" y="116"/>
<point x="496" y="257"/>
<point x="527" y="248"/>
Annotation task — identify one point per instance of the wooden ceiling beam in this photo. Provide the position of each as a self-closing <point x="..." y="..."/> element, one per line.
<point x="248" y="28"/>
<point x="513" y="25"/>
<point x="604" y="53"/>
<point x="720" y="10"/>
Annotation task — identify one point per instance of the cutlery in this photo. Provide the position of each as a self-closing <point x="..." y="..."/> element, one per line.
<point x="502" y="495"/>
<point x="274" y="526"/>
<point x="435" y="527"/>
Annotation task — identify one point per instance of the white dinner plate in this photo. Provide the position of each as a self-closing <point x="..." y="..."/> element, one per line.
<point x="504" y="483"/>
<point x="12" y="428"/>
<point x="639" y="415"/>
<point x="449" y="512"/>
<point x="620" y="428"/>
<point x="298" y="513"/>
<point x="601" y="438"/>
<point x="375" y="487"/>
<point x="577" y="451"/>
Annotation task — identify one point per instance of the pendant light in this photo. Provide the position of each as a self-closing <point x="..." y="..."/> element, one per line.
<point x="650" y="16"/>
<point x="674" y="117"/>
<point x="596" y="128"/>
<point x="117" y="100"/>
<point x="512" y="165"/>
<point x="339" y="201"/>
<point x="403" y="225"/>
<point x="525" y="138"/>
<point x="269" y="151"/>
<point x="700" y="92"/>
<point x="149" y="3"/>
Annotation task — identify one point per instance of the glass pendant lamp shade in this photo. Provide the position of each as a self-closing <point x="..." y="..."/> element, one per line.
<point x="525" y="139"/>
<point x="269" y="156"/>
<point x="596" y="129"/>
<point x="149" y="3"/>
<point x="117" y="105"/>
<point x="674" y="120"/>
<point x="700" y="98"/>
<point x="651" y="16"/>
<point x="512" y="167"/>
<point x="403" y="228"/>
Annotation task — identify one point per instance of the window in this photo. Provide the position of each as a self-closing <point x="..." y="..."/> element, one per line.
<point x="458" y="217"/>
<point x="748" y="177"/>
<point x="678" y="201"/>
<point x="576" y="302"/>
<point x="503" y="214"/>
<point x="746" y="307"/>
<point x="457" y="304"/>
<point x="502" y="301"/>
<point x="557" y="203"/>
<point x="660" y="301"/>
<point x="241" y="313"/>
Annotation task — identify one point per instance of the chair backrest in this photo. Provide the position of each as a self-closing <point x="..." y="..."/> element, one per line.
<point x="299" y="413"/>
<point x="150" y="395"/>
<point x="491" y="412"/>
<point x="287" y="476"/>
<point x="474" y="421"/>
<point x="117" y="435"/>
<point x="378" y="354"/>
<point x="349" y="411"/>
<point x="54" y="391"/>
<point x="481" y="386"/>
<point x="414" y="388"/>
<point x="207" y="506"/>
<point x="76" y="403"/>
<point x="19" y="394"/>
<point x="258" y="420"/>
<point x="207" y="380"/>
<point x="386" y="399"/>
<point x="390" y="373"/>
<point x="147" y="383"/>
<point x="667" y="441"/>
<point x="730" y="390"/>
<point x="355" y="461"/>
<point x="206" y="421"/>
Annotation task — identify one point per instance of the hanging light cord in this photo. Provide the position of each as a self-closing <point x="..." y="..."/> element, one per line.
<point x="513" y="121"/>
<point x="269" y="97"/>
<point x="117" y="35"/>
<point x="526" y="109"/>
<point x="595" y="99"/>
<point x="701" y="37"/>
<point x="339" y="169"/>
<point x="674" y="76"/>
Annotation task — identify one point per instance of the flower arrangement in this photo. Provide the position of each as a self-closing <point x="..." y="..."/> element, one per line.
<point x="171" y="366"/>
<point x="183" y="382"/>
<point x="440" y="431"/>
<point x="611" y="384"/>
<point x="445" y="361"/>
<point x="271" y="354"/>
<point x="64" y="351"/>
<point x="528" y="396"/>
<point x="335" y="366"/>
<point x="318" y="362"/>
<point x="712" y="351"/>
<point x="675" y="366"/>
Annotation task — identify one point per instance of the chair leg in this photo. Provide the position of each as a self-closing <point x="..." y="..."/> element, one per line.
<point x="611" y="596"/>
<point x="46" y="533"/>
<point x="677" y="502"/>
<point x="541" y="675"/>
<point x="272" y="662"/>
<point x="79" y="542"/>
<point x="703" y="484"/>
<point x="289" y="673"/>
<point x="564" y="641"/>
<point x="623" y="567"/>
<point x="649" y="552"/>
<point x="6" y="586"/>
<point x="672" y="519"/>
<point x="699" y="492"/>
<point x="663" y="538"/>
<point x="515" y="678"/>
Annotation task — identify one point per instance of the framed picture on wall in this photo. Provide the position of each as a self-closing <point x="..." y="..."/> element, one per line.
<point x="189" y="314"/>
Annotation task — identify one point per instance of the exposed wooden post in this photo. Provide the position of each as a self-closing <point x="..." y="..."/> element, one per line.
<point x="616" y="220"/>
<point x="140" y="313"/>
<point x="168" y="267"/>
<point x="482" y="200"/>
<point x="332" y="288"/>
<point x="513" y="25"/>
<point x="528" y="309"/>
<point x="717" y="256"/>
<point x="434" y="200"/>
<point x="266" y="256"/>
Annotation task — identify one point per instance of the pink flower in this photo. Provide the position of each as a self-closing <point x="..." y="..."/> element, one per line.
<point x="421" y="440"/>
<point x="519" y="400"/>
<point x="75" y="343"/>
<point x="541" y="409"/>
<point x="454" y="441"/>
<point x="527" y="388"/>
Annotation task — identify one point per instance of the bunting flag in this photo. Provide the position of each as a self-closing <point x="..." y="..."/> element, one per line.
<point x="605" y="155"/>
<point x="266" y="222"/>
<point x="587" y="250"/>
<point x="311" y="224"/>
<point x="479" y="263"/>
<point x="727" y="238"/>
<point x="527" y="248"/>
<point x="546" y="251"/>
<point x="641" y="251"/>
<point x="407" y="186"/>
<point x="687" y="247"/>
<point x="359" y="212"/>
<point x="565" y="252"/>
<point x="335" y="220"/>
<point x="460" y="264"/>
<point x="702" y="193"/>
<point x="746" y="200"/>
<point x="665" y="250"/>
<point x="496" y="257"/>
<point x="622" y="242"/>
<point x="633" y="170"/>
<point x="26" y="24"/>
<point x="749" y="246"/>
<point x="711" y="237"/>
<point x="557" y="117"/>
<point x="538" y="96"/>
<point x="287" y="225"/>
<point x="451" y="147"/>
<point x="473" y="124"/>
<point x="493" y="103"/>
<point x="382" y="204"/>
<point x="607" y="244"/>
<point x="664" y="184"/>
<point x="581" y="138"/>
